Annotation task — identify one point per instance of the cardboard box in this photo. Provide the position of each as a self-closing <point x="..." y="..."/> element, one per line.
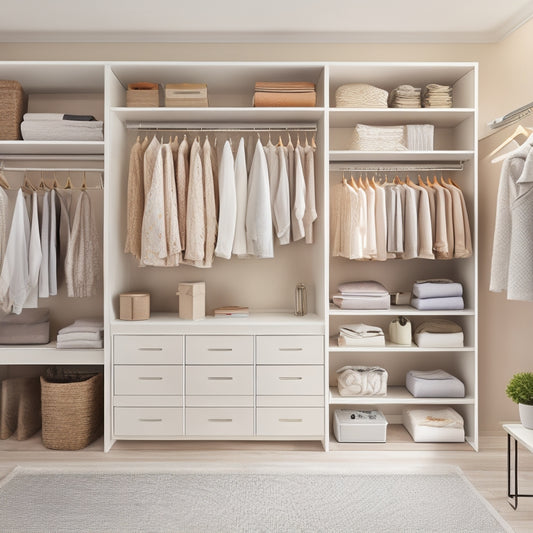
<point x="135" y="306"/>
<point x="359" y="426"/>
<point x="191" y="300"/>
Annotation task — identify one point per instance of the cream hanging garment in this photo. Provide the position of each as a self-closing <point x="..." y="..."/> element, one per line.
<point x="241" y="189"/>
<point x="310" y="214"/>
<point x="210" y="204"/>
<point x="135" y="206"/>
<point x="282" y="206"/>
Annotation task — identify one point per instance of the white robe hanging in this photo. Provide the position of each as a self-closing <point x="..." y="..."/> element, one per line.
<point x="241" y="190"/>
<point x="282" y="205"/>
<point x="298" y="208"/>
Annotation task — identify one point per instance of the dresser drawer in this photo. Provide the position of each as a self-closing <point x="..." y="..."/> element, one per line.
<point x="147" y="349"/>
<point x="148" y="380"/>
<point x="221" y="380"/>
<point x="150" y="422"/>
<point x="219" y="350"/>
<point x="287" y="422"/>
<point x="290" y="380"/>
<point x="219" y="421"/>
<point x="290" y="350"/>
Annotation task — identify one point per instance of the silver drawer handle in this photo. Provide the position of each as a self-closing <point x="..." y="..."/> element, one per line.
<point x="290" y="378"/>
<point x="150" y="378"/>
<point x="150" y="349"/>
<point x="220" y="419"/>
<point x="290" y="419"/>
<point x="150" y="420"/>
<point x="290" y="349"/>
<point x="220" y="378"/>
<point x="219" y="349"/>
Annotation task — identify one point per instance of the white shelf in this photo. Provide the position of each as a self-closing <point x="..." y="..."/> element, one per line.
<point x="349" y="117"/>
<point x="396" y="310"/>
<point x="395" y="395"/>
<point x="391" y="347"/>
<point x="50" y="148"/>
<point x="402" y="156"/>
<point x="199" y="115"/>
<point x="48" y="354"/>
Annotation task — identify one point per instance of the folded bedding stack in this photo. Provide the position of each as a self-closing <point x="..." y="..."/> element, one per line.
<point x="362" y="295"/>
<point x="437" y="295"/>
<point x="419" y="137"/>
<point x="378" y="138"/>
<point x="436" y="95"/>
<point x="405" y="96"/>
<point x="439" y="333"/>
<point x="61" y="127"/>
<point x="361" y="335"/>
<point x="83" y="333"/>
<point x="434" y="384"/>
<point x="360" y="95"/>
<point x="434" y="424"/>
<point x="362" y="381"/>
<point x="284" y="94"/>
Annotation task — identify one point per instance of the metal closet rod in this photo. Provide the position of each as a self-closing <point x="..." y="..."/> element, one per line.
<point x="167" y="126"/>
<point x="396" y="168"/>
<point x="47" y="169"/>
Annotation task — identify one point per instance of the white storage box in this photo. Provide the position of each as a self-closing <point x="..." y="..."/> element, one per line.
<point x="359" y="426"/>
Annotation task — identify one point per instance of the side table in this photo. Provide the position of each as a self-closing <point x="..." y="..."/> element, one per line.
<point x="524" y="436"/>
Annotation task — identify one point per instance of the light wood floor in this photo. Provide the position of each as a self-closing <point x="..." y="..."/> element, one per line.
<point x="486" y="469"/>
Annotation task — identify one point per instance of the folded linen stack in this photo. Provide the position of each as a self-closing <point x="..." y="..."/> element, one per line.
<point x="360" y="95"/>
<point x="405" y="96"/>
<point x="378" y="138"/>
<point x="419" y="137"/>
<point x="83" y="333"/>
<point x="284" y="94"/>
<point x="439" y="333"/>
<point x="61" y="127"/>
<point x="436" y="95"/>
<point x="362" y="381"/>
<point x="433" y="384"/>
<point x="437" y="295"/>
<point x="362" y="295"/>
<point x="361" y="335"/>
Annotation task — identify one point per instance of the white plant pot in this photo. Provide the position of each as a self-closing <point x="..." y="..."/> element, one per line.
<point x="526" y="415"/>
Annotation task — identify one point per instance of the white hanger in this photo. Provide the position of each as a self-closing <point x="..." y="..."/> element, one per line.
<point x="519" y="130"/>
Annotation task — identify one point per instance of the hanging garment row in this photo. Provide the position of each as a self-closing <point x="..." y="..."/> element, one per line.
<point x="42" y="246"/>
<point x="190" y="203"/>
<point x="379" y="221"/>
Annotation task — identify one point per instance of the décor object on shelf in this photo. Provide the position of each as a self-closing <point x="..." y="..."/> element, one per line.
<point x="400" y="331"/>
<point x="72" y="410"/>
<point x="360" y="380"/>
<point x="400" y="298"/>
<point x="359" y="426"/>
<point x="20" y="407"/>
<point x="186" y="95"/>
<point x="434" y="384"/>
<point x="191" y="300"/>
<point x="233" y="311"/>
<point x="13" y="103"/>
<point x="284" y="94"/>
<point x="32" y="326"/>
<point x="360" y="95"/>
<point x="300" y="300"/>
<point x="439" y="333"/>
<point x="434" y="424"/>
<point x="520" y="390"/>
<point x="362" y="295"/>
<point x="143" y="94"/>
<point x="135" y="306"/>
<point x="361" y="335"/>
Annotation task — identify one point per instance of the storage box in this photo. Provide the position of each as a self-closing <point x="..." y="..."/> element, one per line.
<point x="186" y="95"/>
<point x="143" y="94"/>
<point x="191" y="300"/>
<point x="32" y="326"/>
<point x="13" y="103"/>
<point x="135" y="306"/>
<point x="359" y="426"/>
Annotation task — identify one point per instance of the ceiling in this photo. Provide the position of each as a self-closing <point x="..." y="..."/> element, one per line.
<point x="377" y="21"/>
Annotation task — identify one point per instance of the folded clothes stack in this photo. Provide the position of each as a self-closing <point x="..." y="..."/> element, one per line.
<point x="360" y="95"/>
<point x="61" y="127"/>
<point x="284" y="94"/>
<point x="83" y="333"/>
<point x="362" y="295"/>
<point x="378" y="138"/>
<point x="436" y="95"/>
<point x="434" y="384"/>
<point x="405" y="96"/>
<point x="439" y="333"/>
<point x="361" y="335"/>
<point x="419" y="137"/>
<point x="362" y="381"/>
<point x="437" y="295"/>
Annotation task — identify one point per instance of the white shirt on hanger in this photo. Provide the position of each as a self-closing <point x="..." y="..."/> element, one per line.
<point x="298" y="208"/>
<point x="44" y="280"/>
<point x="241" y="190"/>
<point x="35" y="256"/>
<point x="282" y="206"/>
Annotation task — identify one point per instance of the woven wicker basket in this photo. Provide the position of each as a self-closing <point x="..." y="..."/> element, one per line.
<point x="13" y="105"/>
<point x="73" y="413"/>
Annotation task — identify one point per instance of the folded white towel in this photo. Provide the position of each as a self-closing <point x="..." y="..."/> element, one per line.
<point x="62" y="130"/>
<point x="80" y="336"/>
<point x="43" y="116"/>
<point x="83" y="326"/>
<point x="80" y="344"/>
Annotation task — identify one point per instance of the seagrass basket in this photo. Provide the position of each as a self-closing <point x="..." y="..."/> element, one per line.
<point x="12" y="108"/>
<point x="73" y="413"/>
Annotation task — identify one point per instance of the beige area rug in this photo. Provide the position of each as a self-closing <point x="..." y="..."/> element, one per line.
<point x="166" y="498"/>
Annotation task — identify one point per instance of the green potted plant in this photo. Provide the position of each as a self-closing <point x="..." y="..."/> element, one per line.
<point x="520" y="390"/>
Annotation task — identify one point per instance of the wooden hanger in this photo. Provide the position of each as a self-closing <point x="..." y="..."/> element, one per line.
<point x="353" y="183"/>
<point x="68" y="184"/>
<point x="55" y="183"/>
<point x="313" y="142"/>
<point x="520" y="130"/>
<point x="360" y="183"/>
<point x="27" y="186"/>
<point x="373" y="183"/>
<point x="42" y="185"/>
<point x="3" y="181"/>
<point x="84" y="183"/>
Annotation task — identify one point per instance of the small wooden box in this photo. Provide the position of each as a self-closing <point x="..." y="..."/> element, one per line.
<point x="192" y="300"/>
<point x="143" y="94"/>
<point x="135" y="306"/>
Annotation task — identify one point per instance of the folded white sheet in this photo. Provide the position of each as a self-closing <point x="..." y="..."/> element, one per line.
<point x="434" y="384"/>
<point x="438" y="304"/>
<point x="364" y="341"/>
<point x="83" y="326"/>
<point x="80" y="344"/>
<point x="439" y="340"/>
<point x="362" y="381"/>
<point x="62" y="130"/>
<point x="362" y="302"/>
<point x="363" y="288"/>
<point x="437" y="288"/>
<point x="80" y="336"/>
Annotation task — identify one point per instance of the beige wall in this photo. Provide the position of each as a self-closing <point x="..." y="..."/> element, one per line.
<point x="505" y="82"/>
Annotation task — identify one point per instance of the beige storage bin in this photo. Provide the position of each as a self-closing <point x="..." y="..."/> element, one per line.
<point x="191" y="300"/>
<point x="135" y="306"/>
<point x="13" y="103"/>
<point x="143" y="94"/>
<point x="186" y="95"/>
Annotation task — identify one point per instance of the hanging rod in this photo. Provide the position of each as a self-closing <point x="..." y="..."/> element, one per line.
<point x="43" y="169"/>
<point x="408" y="167"/>
<point x="180" y="126"/>
<point x="512" y="116"/>
<point x="50" y="157"/>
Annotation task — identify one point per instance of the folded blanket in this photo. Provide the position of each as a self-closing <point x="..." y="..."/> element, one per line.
<point x="362" y="381"/>
<point x="62" y="130"/>
<point x="365" y="341"/>
<point x="437" y="288"/>
<point x="80" y="344"/>
<point x="80" y="336"/>
<point x="439" y="333"/>
<point x="435" y="417"/>
<point x="83" y="326"/>
<point x="57" y="116"/>
<point x="363" y="288"/>
<point x="438" y="304"/>
<point x="434" y="384"/>
<point x="362" y="302"/>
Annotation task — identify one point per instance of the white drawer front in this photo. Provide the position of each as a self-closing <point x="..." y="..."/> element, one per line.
<point x="290" y="350"/>
<point x="150" y="422"/>
<point x="148" y="349"/>
<point x="221" y="380"/>
<point x="148" y="380"/>
<point x="287" y="422"/>
<point x="219" y="350"/>
<point x="219" y="421"/>
<point x="290" y="380"/>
